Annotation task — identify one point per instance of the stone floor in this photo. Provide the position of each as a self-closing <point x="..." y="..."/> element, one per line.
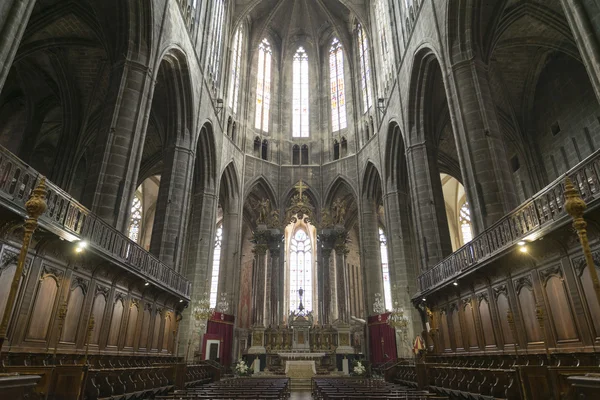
<point x="301" y="395"/>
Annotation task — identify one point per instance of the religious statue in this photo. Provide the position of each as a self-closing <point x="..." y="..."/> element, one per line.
<point x="274" y="221"/>
<point x="326" y="220"/>
<point x="339" y="212"/>
<point x="263" y="207"/>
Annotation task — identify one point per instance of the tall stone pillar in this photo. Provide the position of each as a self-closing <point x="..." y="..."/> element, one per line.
<point x="326" y="249"/>
<point x="343" y="285"/>
<point x="14" y="16"/>
<point x="485" y="167"/>
<point x="258" y="290"/>
<point x="275" y="282"/>
<point x="200" y="247"/>
<point x="584" y="19"/>
<point x="371" y="257"/>
<point x="170" y="223"/>
<point x="118" y="149"/>
<point x="230" y="257"/>
<point x="429" y="210"/>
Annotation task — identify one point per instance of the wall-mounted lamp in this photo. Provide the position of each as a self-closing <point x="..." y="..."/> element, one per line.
<point x="219" y="107"/>
<point x="381" y="105"/>
<point x="81" y="245"/>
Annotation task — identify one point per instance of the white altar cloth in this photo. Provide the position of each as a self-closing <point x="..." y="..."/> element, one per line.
<point x="300" y="363"/>
<point x="301" y="355"/>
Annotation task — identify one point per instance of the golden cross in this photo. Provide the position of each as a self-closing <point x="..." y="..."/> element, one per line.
<point x="300" y="187"/>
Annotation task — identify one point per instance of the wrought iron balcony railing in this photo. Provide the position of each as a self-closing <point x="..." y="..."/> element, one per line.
<point x="66" y="217"/>
<point x="531" y="218"/>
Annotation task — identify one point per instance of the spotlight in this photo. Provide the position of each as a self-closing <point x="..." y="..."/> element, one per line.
<point x="522" y="243"/>
<point x="424" y="299"/>
<point x="147" y="284"/>
<point x="523" y="249"/>
<point x="455" y="283"/>
<point x="181" y="301"/>
<point x="78" y="249"/>
<point x="82" y="244"/>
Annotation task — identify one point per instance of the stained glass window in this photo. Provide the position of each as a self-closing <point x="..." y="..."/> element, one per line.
<point x="214" y="281"/>
<point x="300" y="270"/>
<point x="365" y="69"/>
<point x="336" y="77"/>
<point x="300" y="115"/>
<point x="385" y="35"/>
<point x="236" y="61"/>
<point x="214" y="55"/>
<point x="465" y="223"/>
<point x="263" y="86"/>
<point x="385" y="270"/>
<point x="136" y="218"/>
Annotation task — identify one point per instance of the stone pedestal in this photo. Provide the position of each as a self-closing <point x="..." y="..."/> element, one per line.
<point x="258" y="341"/>
<point x="346" y="366"/>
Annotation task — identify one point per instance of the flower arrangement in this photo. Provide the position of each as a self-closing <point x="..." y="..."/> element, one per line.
<point x="359" y="369"/>
<point x="242" y="369"/>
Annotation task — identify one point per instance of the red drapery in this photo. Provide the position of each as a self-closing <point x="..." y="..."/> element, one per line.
<point x="220" y="326"/>
<point x="382" y="339"/>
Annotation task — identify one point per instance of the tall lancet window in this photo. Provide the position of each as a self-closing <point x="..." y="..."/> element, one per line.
<point x="385" y="270"/>
<point x="236" y="66"/>
<point x="300" y="73"/>
<point x="216" y="43"/>
<point x="465" y="223"/>
<point x="214" y="281"/>
<point x="336" y="77"/>
<point x="387" y="50"/>
<point x="135" y="222"/>
<point x="300" y="271"/>
<point x="365" y="69"/>
<point x="263" y="86"/>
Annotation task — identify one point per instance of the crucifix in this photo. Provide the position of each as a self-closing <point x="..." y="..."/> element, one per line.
<point x="300" y="187"/>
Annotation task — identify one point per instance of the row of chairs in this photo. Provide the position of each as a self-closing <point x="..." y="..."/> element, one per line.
<point x="365" y="389"/>
<point x="236" y="389"/>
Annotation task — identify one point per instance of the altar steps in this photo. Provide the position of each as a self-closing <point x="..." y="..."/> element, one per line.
<point x="300" y="384"/>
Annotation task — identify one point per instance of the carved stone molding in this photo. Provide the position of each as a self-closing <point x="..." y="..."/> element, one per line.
<point x="119" y="296"/>
<point x="78" y="281"/>
<point x="502" y="289"/>
<point x="135" y="303"/>
<point x="549" y="272"/>
<point x="49" y="270"/>
<point x="453" y="307"/>
<point x="520" y="283"/>
<point x="148" y="307"/>
<point x="483" y="296"/>
<point x="103" y="290"/>
<point x="8" y="258"/>
<point x="579" y="263"/>
<point x="466" y="302"/>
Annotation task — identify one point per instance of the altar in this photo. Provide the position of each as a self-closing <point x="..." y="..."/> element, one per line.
<point x="300" y="369"/>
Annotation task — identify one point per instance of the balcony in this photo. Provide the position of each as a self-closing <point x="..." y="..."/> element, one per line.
<point x="540" y="214"/>
<point x="70" y="220"/>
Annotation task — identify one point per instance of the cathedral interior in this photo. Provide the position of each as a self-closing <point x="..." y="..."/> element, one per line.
<point x="343" y="199"/>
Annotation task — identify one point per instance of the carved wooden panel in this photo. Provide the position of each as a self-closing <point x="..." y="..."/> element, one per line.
<point x="527" y="304"/>
<point x="167" y="334"/>
<point x="458" y="340"/>
<point x="486" y="321"/>
<point x="42" y="308"/>
<point x="74" y="306"/>
<point x="503" y="308"/>
<point x="560" y="309"/>
<point x="115" y="323"/>
<point x="98" y="312"/>
<point x="590" y="299"/>
<point x="156" y="330"/>
<point x="470" y="324"/>
<point x="445" y="331"/>
<point x="131" y="324"/>
<point x="6" y="277"/>
<point x="145" y="327"/>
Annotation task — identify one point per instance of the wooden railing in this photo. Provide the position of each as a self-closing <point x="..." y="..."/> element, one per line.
<point x="535" y="214"/>
<point x="71" y="220"/>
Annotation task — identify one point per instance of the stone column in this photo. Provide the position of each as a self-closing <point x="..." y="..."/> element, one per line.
<point x="275" y="281"/>
<point x="371" y="257"/>
<point x="258" y="284"/>
<point x="229" y="271"/>
<point x="14" y="16"/>
<point x="343" y="287"/>
<point x="584" y="19"/>
<point x="200" y="248"/>
<point x="170" y="223"/>
<point x="327" y="245"/>
<point x="431" y="223"/>
<point x="485" y="167"/>
<point x="401" y="258"/>
<point x="118" y="148"/>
